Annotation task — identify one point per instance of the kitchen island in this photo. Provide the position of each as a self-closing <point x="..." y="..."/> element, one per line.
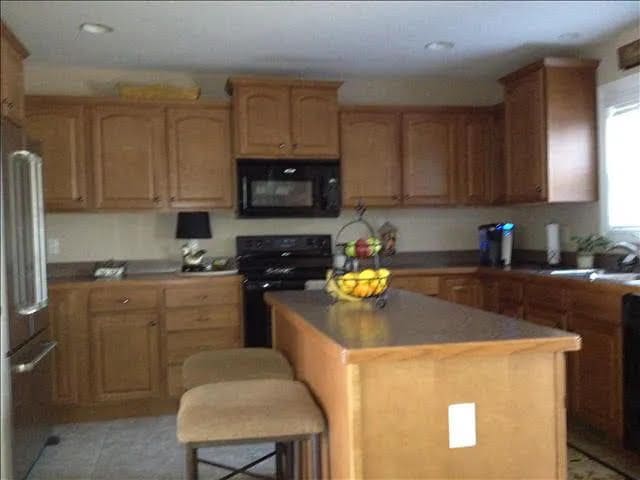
<point x="386" y="380"/>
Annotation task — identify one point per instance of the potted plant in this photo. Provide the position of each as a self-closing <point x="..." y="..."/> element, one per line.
<point x="587" y="246"/>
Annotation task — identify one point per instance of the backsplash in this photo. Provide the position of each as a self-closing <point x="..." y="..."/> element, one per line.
<point x="147" y="235"/>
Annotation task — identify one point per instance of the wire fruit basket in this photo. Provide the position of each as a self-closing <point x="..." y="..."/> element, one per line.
<point x="350" y="282"/>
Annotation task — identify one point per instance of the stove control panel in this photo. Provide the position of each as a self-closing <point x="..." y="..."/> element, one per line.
<point x="283" y="243"/>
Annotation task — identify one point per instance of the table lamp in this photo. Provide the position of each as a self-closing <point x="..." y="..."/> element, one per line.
<point x="193" y="226"/>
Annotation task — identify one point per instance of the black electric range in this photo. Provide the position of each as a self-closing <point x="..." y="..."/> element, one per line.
<point x="277" y="262"/>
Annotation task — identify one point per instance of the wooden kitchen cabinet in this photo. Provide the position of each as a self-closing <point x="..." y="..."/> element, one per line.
<point x="124" y="354"/>
<point x="465" y="290"/>
<point x="262" y="119"/>
<point x="200" y="162"/>
<point x="69" y="327"/>
<point x="12" y="54"/>
<point x="314" y="122"/>
<point x="595" y="381"/>
<point x="282" y="118"/>
<point x="475" y="162"/>
<point x="429" y="152"/>
<point x="497" y="168"/>
<point x="129" y="157"/>
<point x="60" y="130"/>
<point x="371" y="165"/>
<point x="550" y="132"/>
<point x="426" y="285"/>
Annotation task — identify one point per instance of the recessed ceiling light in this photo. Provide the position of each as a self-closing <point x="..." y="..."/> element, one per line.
<point x="439" y="45"/>
<point x="569" y="36"/>
<point x="96" y="28"/>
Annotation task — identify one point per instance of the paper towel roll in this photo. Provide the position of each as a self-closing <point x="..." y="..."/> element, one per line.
<point x="553" y="243"/>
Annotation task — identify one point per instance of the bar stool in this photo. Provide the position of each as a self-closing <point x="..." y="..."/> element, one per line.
<point x="233" y="364"/>
<point x="250" y="411"/>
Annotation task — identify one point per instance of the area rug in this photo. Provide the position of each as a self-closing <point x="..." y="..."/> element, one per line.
<point x="582" y="467"/>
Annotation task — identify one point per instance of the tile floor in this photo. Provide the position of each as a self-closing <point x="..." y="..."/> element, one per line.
<point x="146" y="448"/>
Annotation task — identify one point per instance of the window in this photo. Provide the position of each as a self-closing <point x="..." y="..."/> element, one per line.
<point x="620" y="158"/>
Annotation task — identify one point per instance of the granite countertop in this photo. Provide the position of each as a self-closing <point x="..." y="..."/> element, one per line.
<point x="411" y="320"/>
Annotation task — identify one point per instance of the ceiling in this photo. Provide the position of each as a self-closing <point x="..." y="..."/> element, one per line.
<point x="329" y="38"/>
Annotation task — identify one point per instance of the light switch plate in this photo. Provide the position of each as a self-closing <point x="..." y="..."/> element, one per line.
<point x="462" y="425"/>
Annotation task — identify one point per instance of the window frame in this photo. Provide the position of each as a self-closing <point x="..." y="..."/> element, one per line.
<point x="626" y="89"/>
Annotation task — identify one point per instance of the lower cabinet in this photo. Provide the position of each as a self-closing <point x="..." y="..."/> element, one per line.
<point x="595" y="372"/>
<point x="545" y="316"/>
<point x="124" y="355"/>
<point x="463" y="290"/>
<point x="426" y="285"/>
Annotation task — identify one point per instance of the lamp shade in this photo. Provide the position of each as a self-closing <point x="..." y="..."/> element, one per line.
<point x="193" y="225"/>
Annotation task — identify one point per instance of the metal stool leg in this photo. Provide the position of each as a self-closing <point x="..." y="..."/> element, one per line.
<point x="191" y="463"/>
<point x="295" y="474"/>
<point x="316" y="456"/>
<point x="289" y="460"/>
<point x="281" y="467"/>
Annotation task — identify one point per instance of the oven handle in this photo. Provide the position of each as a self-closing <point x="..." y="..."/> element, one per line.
<point x="30" y="366"/>
<point x="245" y="193"/>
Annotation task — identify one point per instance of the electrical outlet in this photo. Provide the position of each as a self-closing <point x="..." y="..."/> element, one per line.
<point x="462" y="425"/>
<point x="53" y="246"/>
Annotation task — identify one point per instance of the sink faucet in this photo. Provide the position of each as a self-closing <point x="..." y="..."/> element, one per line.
<point x="632" y="257"/>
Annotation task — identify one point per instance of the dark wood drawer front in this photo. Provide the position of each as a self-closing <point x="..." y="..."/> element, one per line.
<point x="203" y="318"/>
<point x="510" y="290"/>
<point x="223" y="293"/>
<point x="545" y="295"/>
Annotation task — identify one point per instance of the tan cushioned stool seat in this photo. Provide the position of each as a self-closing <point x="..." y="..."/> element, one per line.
<point x="234" y="364"/>
<point x="244" y="410"/>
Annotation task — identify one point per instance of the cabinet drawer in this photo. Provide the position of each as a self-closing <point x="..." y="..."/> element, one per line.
<point x="174" y="380"/>
<point x="418" y="284"/>
<point x="203" y="318"/>
<point x="510" y="290"/>
<point x="181" y="345"/>
<point x="545" y="295"/>
<point x="117" y="299"/>
<point x="604" y="306"/>
<point x="218" y="293"/>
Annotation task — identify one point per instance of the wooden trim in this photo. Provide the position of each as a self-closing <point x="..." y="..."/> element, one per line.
<point x="105" y="100"/>
<point x="560" y="62"/>
<point x="359" y="108"/>
<point x="279" y="81"/>
<point x="561" y="414"/>
<point x="8" y="35"/>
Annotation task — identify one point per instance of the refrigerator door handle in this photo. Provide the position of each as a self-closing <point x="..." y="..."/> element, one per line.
<point x="28" y="216"/>
<point x="47" y="347"/>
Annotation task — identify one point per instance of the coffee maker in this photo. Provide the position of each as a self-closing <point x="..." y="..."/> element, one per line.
<point x="496" y="244"/>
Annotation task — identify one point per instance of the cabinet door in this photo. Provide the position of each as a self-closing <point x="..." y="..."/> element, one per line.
<point x="426" y="285"/>
<point x="11" y="82"/>
<point x="60" y="129"/>
<point x="596" y="373"/>
<point x="262" y="121"/>
<point x="525" y="145"/>
<point x="371" y="169"/>
<point x="68" y="323"/>
<point x="314" y="122"/>
<point x="474" y="161"/>
<point x="545" y="316"/>
<point x="428" y="158"/>
<point x="124" y="356"/>
<point x="490" y="298"/>
<point x="462" y="290"/>
<point x="200" y="164"/>
<point x="129" y="157"/>
<point x="510" y="309"/>
<point x="497" y="169"/>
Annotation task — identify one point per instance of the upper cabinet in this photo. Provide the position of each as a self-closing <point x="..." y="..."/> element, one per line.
<point x="200" y="164"/>
<point x="278" y="118"/>
<point x="60" y="131"/>
<point x="550" y="132"/>
<point x="371" y="164"/>
<point x="475" y="159"/>
<point x="429" y="146"/>
<point x="129" y="157"/>
<point x="12" y="53"/>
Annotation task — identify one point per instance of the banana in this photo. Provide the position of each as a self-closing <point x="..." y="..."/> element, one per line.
<point x="333" y="290"/>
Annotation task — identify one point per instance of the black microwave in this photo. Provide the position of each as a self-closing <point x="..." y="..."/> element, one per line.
<point x="288" y="188"/>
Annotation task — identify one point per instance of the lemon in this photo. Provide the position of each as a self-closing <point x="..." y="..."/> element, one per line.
<point x="383" y="279"/>
<point x="361" y="290"/>
<point x="369" y="278"/>
<point x="347" y="282"/>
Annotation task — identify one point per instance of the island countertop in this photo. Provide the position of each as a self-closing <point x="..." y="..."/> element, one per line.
<point x="412" y="324"/>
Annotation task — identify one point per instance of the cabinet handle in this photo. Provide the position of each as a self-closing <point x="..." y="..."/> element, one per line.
<point x="153" y="324"/>
<point x="539" y="189"/>
<point x="396" y="197"/>
<point x="156" y="199"/>
<point x="79" y="199"/>
<point x="10" y="105"/>
<point x="5" y="100"/>
<point x="281" y="146"/>
<point x="458" y="287"/>
<point x="124" y="300"/>
<point x="202" y="319"/>
<point x="204" y="297"/>
<point x="173" y="199"/>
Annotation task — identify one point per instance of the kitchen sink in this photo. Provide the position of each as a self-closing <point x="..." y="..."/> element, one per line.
<point x="586" y="273"/>
<point x="617" y="277"/>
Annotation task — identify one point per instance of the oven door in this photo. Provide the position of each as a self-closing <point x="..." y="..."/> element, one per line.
<point x="257" y="315"/>
<point x="288" y="189"/>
